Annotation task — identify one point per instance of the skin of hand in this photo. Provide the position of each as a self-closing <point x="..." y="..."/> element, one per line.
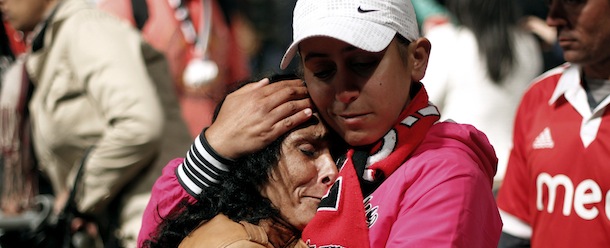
<point x="257" y="114"/>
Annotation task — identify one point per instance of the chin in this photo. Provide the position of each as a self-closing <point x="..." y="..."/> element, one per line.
<point x="358" y="138"/>
<point x="575" y="57"/>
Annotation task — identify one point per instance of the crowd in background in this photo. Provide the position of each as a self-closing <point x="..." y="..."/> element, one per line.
<point x="485" y="55"/>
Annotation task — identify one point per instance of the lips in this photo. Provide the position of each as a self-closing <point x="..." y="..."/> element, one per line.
<point x="311" y="199"/>
<point x="565" y="39"/>
<point x="352" y="119"/>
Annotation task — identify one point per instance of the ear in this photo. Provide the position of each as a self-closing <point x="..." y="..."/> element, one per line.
<point x="419" y="55"/>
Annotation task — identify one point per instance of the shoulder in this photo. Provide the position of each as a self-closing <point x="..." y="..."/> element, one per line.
<point x="81" y="19"/>
<point x="453" y="149"/>
<point x="542" y="88"/>
<point x="222" y="232"/>
<point x="217" y="232"/>
<point x="547" y="81"/>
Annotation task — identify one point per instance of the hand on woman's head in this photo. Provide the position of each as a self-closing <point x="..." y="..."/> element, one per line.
<point x="256" y="114"/>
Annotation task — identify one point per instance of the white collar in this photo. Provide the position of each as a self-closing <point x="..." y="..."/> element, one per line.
<point x="569" y="82"/>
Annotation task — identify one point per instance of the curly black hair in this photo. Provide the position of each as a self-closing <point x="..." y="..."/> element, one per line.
<point x="237" y="196"/>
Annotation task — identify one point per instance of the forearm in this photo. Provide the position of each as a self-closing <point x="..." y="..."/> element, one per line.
<point x="112" y="164"/>
<point x="202" y="166"/>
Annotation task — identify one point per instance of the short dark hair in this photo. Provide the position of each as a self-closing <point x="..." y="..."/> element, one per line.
<point x="403" y="47"/>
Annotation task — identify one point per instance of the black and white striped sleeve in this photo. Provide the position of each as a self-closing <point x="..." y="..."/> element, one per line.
<point x="202" y="167"/>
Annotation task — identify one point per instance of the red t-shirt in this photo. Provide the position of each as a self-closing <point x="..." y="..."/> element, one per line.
<point x="558" y="176"/>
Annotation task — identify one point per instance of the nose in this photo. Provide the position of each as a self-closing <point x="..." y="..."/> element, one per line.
<point x="346" y="88"/>
<point x="556" y="16"/>
<point x="327" y="170"/>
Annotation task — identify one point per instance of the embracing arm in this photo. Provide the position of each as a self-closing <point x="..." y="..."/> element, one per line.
<point x="249" y="119"/>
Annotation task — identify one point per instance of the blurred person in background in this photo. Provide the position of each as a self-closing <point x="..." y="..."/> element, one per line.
<point x="430" y="13"/>
<point x="480" y="67"/>
<point x="199" y="41"/>
<point x="17" y="184"/>
<point x="267" y="33"/>
<point x="534" y="13"/>
<point x="102" y="100"/>
<point x="556" y="192"/>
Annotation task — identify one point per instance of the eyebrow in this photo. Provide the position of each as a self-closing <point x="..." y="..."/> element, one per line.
<point x="323" y="55"/>
<point x="316" y="138"/>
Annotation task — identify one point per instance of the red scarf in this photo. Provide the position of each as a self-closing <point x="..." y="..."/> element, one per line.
<point x="341" y="220"/>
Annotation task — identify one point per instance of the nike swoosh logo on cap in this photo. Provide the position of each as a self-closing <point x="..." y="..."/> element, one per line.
<point x="360" y="10"/>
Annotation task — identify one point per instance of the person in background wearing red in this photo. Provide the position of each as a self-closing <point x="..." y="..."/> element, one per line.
<point x="556" y="192"/>
<point x="200" y="45"/>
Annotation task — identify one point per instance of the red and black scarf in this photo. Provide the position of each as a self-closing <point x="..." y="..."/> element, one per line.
<point x="341" y="220"/>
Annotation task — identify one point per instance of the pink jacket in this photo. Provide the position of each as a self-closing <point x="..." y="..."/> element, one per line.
<point x="440" y="197"/>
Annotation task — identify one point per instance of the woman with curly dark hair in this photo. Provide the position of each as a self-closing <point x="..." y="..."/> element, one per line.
<point x="265" y="201"/>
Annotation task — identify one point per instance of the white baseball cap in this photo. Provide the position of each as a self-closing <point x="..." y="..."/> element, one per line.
<point x="367" y="24"/>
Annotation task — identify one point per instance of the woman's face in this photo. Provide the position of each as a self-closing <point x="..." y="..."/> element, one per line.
<point x="304" y="174"/>
<point x="359" y="93"/>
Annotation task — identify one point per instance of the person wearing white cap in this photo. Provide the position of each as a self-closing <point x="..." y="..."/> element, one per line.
<point x="408" y="179"/>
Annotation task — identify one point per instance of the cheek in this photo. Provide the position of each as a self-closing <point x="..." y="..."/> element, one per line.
<point x="321" y="94"/>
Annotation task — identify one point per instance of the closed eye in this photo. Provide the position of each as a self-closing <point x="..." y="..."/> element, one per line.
<point x="325" y="74"/>
<point x="308" y="153"/>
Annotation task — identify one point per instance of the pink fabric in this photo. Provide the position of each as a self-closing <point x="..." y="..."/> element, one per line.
<point x="167" y="193"/>
<point x="344" y="223"/>
<point x="441" y="197"/>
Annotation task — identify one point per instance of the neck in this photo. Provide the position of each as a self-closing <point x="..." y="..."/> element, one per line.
<point x="599" y="70"/>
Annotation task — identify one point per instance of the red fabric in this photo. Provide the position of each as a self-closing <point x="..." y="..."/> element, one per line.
<point x="162" y="31"/>
<point x="555" y="182"/>
<point x="16" y="41"/>
<point x="346" y="224"/>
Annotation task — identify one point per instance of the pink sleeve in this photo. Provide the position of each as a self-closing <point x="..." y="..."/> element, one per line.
<point x="447" y="206"/>
<point x="166" y="197"/>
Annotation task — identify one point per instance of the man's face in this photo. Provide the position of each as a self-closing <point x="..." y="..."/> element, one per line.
<point x="583" y="29"/>
<point x="24" y="15"/>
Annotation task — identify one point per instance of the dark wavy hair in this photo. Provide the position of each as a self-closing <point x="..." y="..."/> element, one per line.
<point x="491" y="22"/>
<point x="237" y="196"/>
